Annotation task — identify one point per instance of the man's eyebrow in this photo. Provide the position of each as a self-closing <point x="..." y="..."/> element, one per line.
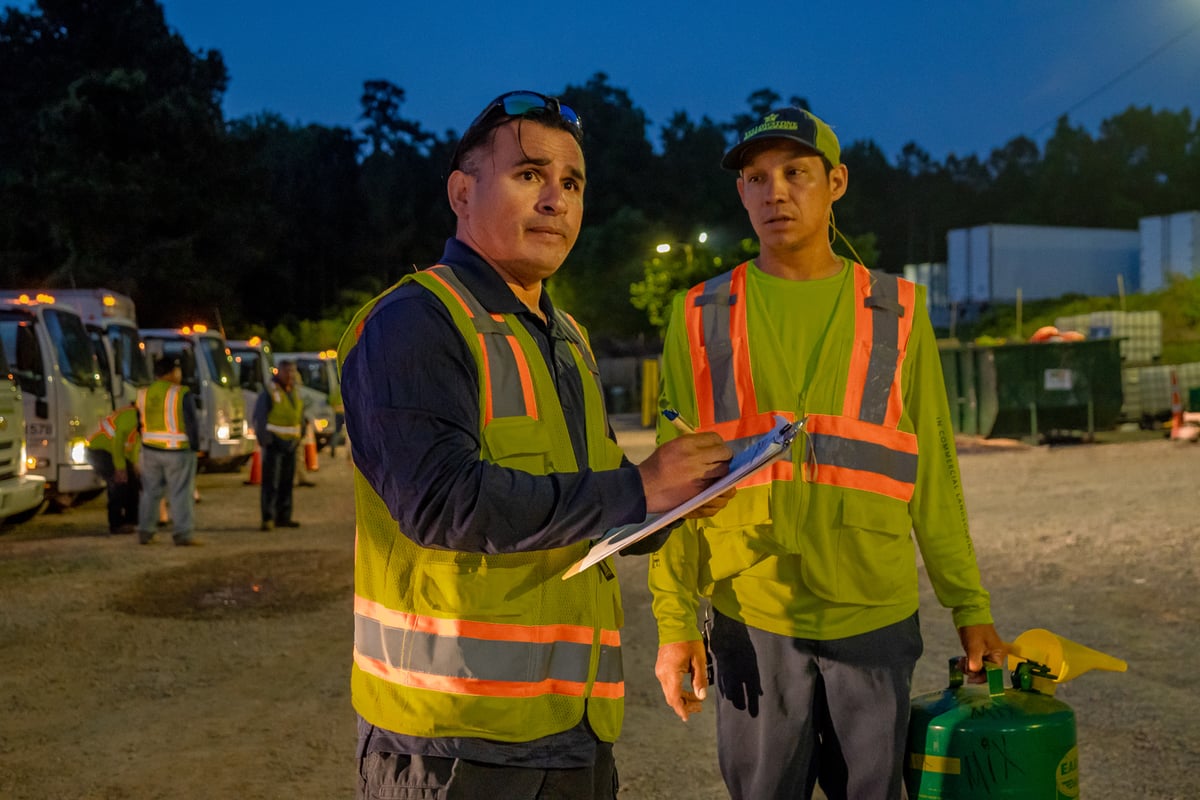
<point x="575" y="172"/>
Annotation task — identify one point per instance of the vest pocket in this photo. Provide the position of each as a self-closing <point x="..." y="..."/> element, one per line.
<point x="518" y="443"/>
<point x="876" y="563"/>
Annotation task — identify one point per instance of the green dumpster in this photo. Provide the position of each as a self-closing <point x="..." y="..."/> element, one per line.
<point x="1032" y="389"/>
<point x="958" y="372"/>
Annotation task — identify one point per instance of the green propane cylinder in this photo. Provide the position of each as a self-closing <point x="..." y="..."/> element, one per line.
<point x="985" y="741"/>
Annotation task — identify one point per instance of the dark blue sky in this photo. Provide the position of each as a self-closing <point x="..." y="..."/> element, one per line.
<point x="962" y="77"/>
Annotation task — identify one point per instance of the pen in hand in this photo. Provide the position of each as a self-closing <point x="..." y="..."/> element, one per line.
<point x="673" y="416"/>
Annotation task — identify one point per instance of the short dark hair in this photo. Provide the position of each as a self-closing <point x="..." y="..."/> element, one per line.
<point x="165" y="365"/>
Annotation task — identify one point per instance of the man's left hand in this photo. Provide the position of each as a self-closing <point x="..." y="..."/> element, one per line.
<point x="981" y="643"/>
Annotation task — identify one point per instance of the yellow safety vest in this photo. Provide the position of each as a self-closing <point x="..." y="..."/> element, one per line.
<point x="121" y="425"/>
<point x="161" y="407"/>
<point x="286" y="414"/>
<point x="456" y="644"/>
<point x="859" y="464"/>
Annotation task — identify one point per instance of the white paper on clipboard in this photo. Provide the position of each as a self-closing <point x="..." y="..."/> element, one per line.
<point x="769" y="448"/>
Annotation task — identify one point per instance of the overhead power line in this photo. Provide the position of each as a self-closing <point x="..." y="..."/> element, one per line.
<point x="1125" y="74"/>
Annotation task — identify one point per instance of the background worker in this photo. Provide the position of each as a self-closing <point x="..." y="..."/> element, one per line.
<point x="170" y="438"/>
<point x="811" y="571"/>
<point x="113" y="451"/>
<point x="279" y="419"/>
<point x="478" y="671"/>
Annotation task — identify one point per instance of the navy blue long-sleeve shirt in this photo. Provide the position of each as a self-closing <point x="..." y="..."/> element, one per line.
<point x="411" y="391"/>
<point x="412" y="411"/>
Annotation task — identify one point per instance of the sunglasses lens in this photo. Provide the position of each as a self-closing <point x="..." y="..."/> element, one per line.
<point x="516" y="105"/>
<point x="521" y="103"/>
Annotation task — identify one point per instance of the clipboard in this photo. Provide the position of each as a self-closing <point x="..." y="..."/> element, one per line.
<point x="766" y="450"/>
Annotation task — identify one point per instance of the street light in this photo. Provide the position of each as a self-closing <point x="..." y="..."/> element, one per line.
<point x="665" y="247"/>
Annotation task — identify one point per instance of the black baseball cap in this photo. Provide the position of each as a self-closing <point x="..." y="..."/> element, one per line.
<point x="791" y="123"/>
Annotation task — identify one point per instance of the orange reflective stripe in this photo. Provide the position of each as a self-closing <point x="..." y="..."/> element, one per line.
<point x="850" y="478"/>
<point x="433" y="272"/>
<point x="908" y="299"/>
<point x="742" y="377"/>
<point x="701" y="372"/>
<point x="484" y="688"/>
<point x="494" y="357"/>
<point x="891" y="438"/>
<point x="860" y="352"/>
<point x="495" y="631"/>
<point x="525" y="376"/>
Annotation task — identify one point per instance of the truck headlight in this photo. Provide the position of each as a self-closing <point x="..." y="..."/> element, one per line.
<point x="77" y="451"/>
<point x="320" y="425"/>
<point x="223" y="431"/>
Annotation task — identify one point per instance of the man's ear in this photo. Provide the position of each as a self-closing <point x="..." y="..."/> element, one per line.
<point x="839" y="181"/>
<point x="458" y="190"/>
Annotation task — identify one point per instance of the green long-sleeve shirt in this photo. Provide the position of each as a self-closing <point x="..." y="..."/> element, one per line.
<point x="845" y="562"/>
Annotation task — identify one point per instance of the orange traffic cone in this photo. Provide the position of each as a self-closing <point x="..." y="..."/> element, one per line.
<point x="255" y="469"/>
<point x="1180" y="429"/>
<point x="310" y="452"/>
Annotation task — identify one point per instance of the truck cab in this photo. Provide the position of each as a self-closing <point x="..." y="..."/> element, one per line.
<point x="255" y="365"/>
<point x="111" y="322"/>
<point x="21" y="494"/>
<point x="63" y="394"/>
<point x="208" y="371"/>
<point x="322" y="393"/>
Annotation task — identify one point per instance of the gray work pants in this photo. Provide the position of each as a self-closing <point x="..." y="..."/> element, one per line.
<point x="388" y="776"/>
<point x="792" y="712"/>
<point x="171" y="473"/>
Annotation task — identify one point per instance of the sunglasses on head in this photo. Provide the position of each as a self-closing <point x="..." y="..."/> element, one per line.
<point x="516" y="104"/>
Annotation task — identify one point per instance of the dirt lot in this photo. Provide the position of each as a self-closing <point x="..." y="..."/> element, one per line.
<point x="221" y="671"/>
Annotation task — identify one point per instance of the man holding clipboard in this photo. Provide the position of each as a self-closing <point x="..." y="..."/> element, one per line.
<point x="810" y="569"/>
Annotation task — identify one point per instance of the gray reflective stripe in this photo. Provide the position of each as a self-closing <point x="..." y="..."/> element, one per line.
<point x="574" y="335"/>
<point x="838" y="451"/>
<point x="482" y="659"/>
<point x="507" y="393"/>
<point x="881" y="371"/>
<point x="714" y="303"/>
<point x="284" y="430"/>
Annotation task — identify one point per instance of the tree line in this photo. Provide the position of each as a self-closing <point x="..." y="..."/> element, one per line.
<point x="119" y="169"/>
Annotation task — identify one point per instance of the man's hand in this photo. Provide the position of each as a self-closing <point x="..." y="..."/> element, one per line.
<point x="981" y="643"/>
<point x="674" y="661"/>
<point x="684" y="467"/>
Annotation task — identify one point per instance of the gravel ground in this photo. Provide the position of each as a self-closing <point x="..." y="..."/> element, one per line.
<point x="221" y="671"/>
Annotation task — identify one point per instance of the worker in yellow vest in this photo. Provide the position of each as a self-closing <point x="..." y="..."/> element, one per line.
<point x="279" y="421"/>
<point x="811" y="570"/>
<point x="170" y="439"/>
<point x="484" y="466"/>
<point x="113" y="451"/>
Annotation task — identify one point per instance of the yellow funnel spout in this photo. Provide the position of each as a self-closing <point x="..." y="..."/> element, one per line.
<point x="1064" y="658"/>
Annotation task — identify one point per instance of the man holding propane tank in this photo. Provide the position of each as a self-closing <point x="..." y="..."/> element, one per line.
<point x="810" y="570"/>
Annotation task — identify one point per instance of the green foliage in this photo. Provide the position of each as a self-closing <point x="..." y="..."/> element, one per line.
<point x="118" y="169"/>
<point x="1179" y="304"/>
<point x="685" y="265"/>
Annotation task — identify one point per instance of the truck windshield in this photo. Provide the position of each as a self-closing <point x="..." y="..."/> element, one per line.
<point x="251" y="368"/>
<point x="75" y="356"/>
<point x="312" y="374"/>
<point x="220" y="363"/>
<point x="129" y="357"/>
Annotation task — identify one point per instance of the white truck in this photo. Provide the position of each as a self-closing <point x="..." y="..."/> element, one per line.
<point x="21" y="494"/>
<point x="255" y="366"/>
<point x="63" y="395"/>
<point x="322" y="393"/>
<point x="111" y="321"/>
<point x="208" y="371"/>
